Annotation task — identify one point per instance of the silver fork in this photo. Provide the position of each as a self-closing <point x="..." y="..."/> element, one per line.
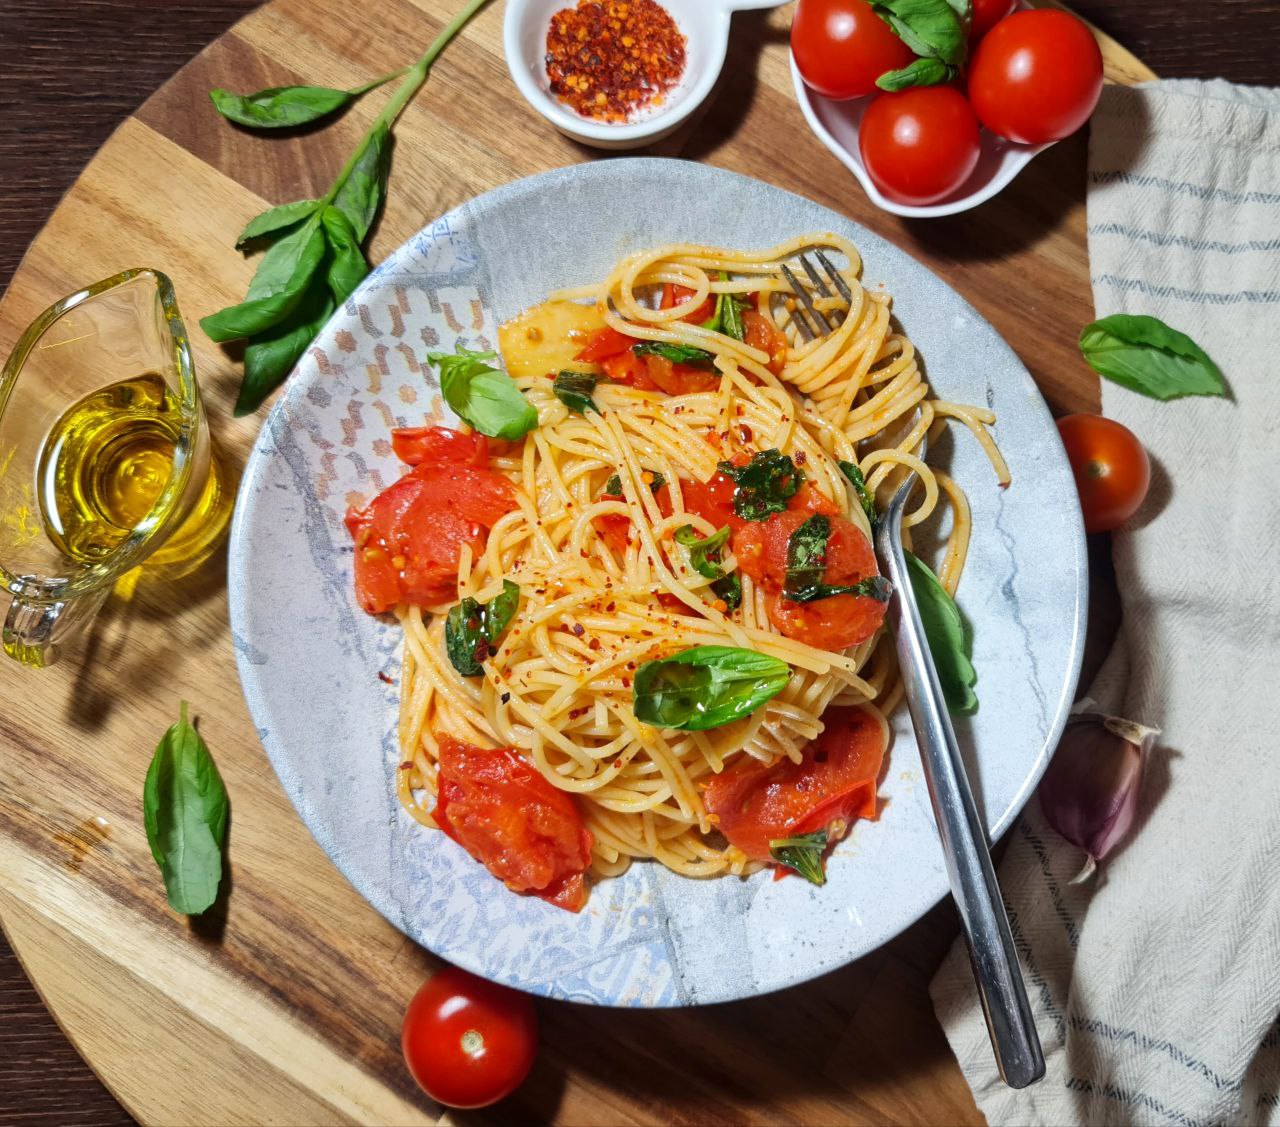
<point x="983" y="921"/>
<point x="820" y="324"/>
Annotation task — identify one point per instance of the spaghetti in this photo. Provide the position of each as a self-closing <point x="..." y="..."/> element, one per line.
<point x="559" y="685"/>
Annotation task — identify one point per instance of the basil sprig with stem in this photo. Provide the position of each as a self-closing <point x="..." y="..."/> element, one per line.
<point x="484" y="397"/>
<point x="314" y="262"/>
<point x="704" y="554"/>
<point x="706" y="686"/>
<point x="802" y="854"/>
<point x="574" y="390"/>
<point x="472" y="629"/>
<point x="949" y="638"/>
<point x="184" y="811"/>
<point x="765" y="484"/>
<point x="865" y="497"/>
<point x="676" y="353"/>
<point x="807" y="564"/>
<point x="1147" y="356"/>
<point x="282" y="107"/>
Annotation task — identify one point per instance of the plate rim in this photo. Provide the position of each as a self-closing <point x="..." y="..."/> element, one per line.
<point x="239" y="572"/>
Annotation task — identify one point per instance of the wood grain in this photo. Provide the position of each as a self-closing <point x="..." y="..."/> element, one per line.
<point x="285" y="1006"/>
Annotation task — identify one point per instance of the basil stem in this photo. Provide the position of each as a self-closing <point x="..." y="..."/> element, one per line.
<point x="802" y="854"/>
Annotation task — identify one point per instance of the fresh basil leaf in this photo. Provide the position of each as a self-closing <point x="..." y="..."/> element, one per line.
<point x="730" y="590"/>
<point x="1147" y="356"/>
<point x="472" y="629"/>
<point x="276" y="219"/>
<point x="803" y="854"/>
<point x="949" y="639"/>
<point x="676" y="353"/>
<point x="258" y="313"/>
<point x="613" y="487"/>
<point x="706" y="686"/>
<point x="280" y="107"/>
<point x="807" y="563"/>
<point x="347" y="265"/>
<point x="730" y="313"/>
<point x="930" y="28"/>
<point x="485" y="398"/>
<point x="184" y="810"/>
<point x="764" y="484"/>
<point x="365" y="187"/>
<point x="704" y="555"/>
<point x="864" y="495"/>
<point x="574" y="389"/>
<point x="920" y="72"/>
<point x="271" y="355"/>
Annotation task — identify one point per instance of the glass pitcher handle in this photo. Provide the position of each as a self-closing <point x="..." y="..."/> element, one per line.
<point x="34" y="629"/>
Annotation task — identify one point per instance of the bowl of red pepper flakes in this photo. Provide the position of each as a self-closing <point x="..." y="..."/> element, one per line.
<point x="618" y="74"/>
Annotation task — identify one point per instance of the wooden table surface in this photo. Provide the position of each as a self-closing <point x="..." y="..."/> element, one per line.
<point x="69" y="73"/>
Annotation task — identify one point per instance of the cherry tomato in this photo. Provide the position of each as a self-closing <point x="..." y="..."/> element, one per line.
<point x="834" y="783"/>
<point x="763" y="334"/>
<point x="673" y="295"/>
<point x="615" y="528"/>
<point x="628" y="368"/>
<point x="679" y="379"/>
<point x="604" y="343"/>
<point x="526" y="832"/>
<point x="409" y="538"/>
<point x="919" y="145"/>
<point x="841" y="47"/>
<point x="986" y="14"/>
<point x="834" y="623"/>
<point x="468" y="1042"/>
<point x="418" y="446"/>
<point x="1036" y="76"/>
<point x="712" y="500"/>
<point x="1111" y="469"/>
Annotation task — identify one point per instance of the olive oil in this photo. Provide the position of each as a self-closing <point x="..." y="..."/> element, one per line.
<point x="105" y="464"/>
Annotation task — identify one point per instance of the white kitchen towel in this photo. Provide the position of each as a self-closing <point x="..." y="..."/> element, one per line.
<point x="1156" y="987"/>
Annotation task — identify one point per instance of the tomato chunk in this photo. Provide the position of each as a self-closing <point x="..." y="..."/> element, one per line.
<point x="604" y="343"/>
<point x="409" y="538"/>
<point x="615" y="528"/>
<point x="712" y="500"/>
<point x="628" y="368"/>
<point x="525" y="831"/>
<point x="680" y="379"/>
<point x="761" y="547"/>
<point x="680" y="295"/>
<point x="833" y="784"/>
<point x="834" y="623"/>
<point x="761" y="333"/>
<point x="439" y="446"/>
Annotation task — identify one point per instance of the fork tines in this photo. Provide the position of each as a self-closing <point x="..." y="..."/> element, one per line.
<point x="816" y="323"/>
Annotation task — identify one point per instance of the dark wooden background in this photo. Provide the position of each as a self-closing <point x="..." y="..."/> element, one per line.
<point x="70" y="72"/>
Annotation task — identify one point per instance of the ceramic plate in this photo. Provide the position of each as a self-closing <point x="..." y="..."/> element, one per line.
<point x="309" y="659"/>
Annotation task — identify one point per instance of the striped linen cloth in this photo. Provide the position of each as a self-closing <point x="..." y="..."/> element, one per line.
<point x="1156" y="987"/>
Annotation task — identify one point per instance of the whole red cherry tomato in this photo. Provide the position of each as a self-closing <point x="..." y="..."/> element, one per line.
<point x="919" y="145"/>
<point x="1111" y="468"/>
<point x="841" y="47"/>
<point x="1036" y="76"/>
<point x="986" y="14"/>
<point x="468" y="1042"/>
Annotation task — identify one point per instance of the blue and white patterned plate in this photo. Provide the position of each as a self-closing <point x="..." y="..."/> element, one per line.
<point x="309" y="658"/>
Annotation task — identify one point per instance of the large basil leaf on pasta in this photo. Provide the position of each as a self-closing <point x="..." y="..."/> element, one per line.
<point x="949" y="639"/>
<point x="706" y="687"/>
<point x="1147" y="356"/>
<point x="482" y="396"/>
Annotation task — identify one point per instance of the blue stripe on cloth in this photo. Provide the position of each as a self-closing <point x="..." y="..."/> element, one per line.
<point x="1161" y="239"/>
<point x="1059" y="909"/>
<point x="1102" y="1029"/>
<point x="1183" y="188"/>
<point x="1033" y="972"/>
<point x="1132" y="1099"/>
<point x="1207" y="297"/>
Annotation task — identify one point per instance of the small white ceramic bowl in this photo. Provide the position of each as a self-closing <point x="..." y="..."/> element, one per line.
<point x="836" y="126"/>
<point x="705" y="25"/>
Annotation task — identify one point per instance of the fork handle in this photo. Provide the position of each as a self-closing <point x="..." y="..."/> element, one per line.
<point x="983" y="921"/>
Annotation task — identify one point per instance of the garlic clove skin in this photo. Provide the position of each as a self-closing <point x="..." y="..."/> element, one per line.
<point x="1089" y="794"/>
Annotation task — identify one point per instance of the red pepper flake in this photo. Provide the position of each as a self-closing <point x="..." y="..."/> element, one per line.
<point x="611" y="607"/>
<point x="505" y="697"/>
<point x="406" y="765"/>
<point x="607" y="59"/>
<point x="574" y="713"/>
<point x="800" y="457"/>
<point x="578" y="629"/>
<point x="386" y="680"/>
<point x="626" y="682"/>
<point x="594" y="644"/>
<point x="744" y="433"/>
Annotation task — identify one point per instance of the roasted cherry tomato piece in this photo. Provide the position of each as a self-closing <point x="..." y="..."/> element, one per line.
<point x="438" y="446"/>
<point x="615" y="528"/>
<point x="468" y="1042"/>
<point x="680" y="295"/>
<point x="834" y="783"/>
<point x="712" y="500"/>
<point x="833" y="624"/>
<point x="630" y="369"/>
<point x="1036" y="76"/>
<point x="604" y="343"/>
<point x="841" y="47"/>
<point x="679" y="379"/>
<point x="525" y="831"/>
<point x="763" y="334"/>
<point x="919" y="145"/>
<point x="761" y="547"/>
<point x="1111" y="468"/>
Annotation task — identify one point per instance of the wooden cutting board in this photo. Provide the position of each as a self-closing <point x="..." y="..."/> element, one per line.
<point x="285" y="1007"/>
